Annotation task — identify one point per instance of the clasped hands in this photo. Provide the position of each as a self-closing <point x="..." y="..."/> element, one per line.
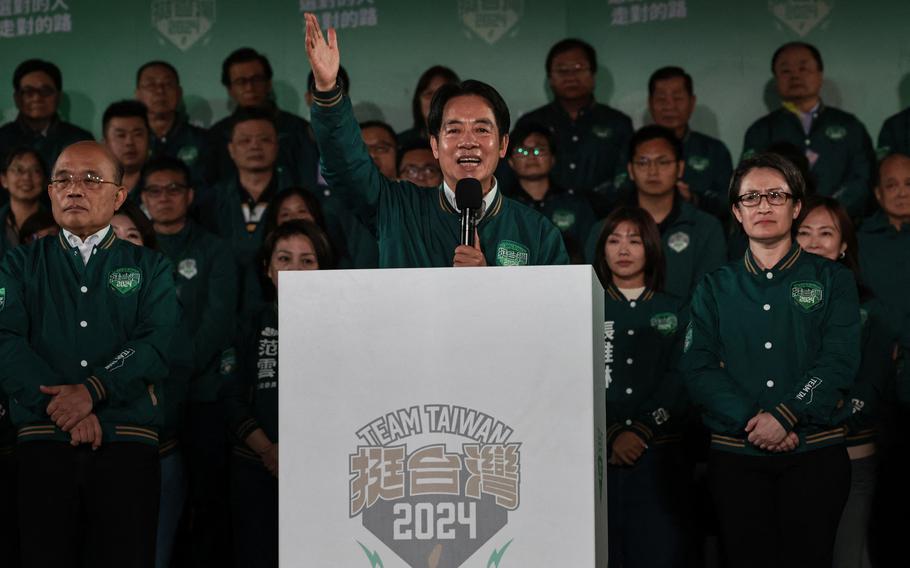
<point x="71" y="410"/>
<point x="767" y="433"/>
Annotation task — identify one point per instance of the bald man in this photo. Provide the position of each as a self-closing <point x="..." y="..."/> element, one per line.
<point x="84" y="325"/>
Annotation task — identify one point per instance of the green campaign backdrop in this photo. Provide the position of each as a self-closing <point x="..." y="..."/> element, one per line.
<point x="386" y="44"/>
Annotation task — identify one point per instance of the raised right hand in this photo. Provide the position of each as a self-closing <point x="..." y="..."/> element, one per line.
<point x="323" y="55"/>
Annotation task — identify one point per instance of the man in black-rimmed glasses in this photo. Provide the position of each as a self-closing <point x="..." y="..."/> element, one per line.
<point x="85" y="324"/>
<point x="37" y="91"/>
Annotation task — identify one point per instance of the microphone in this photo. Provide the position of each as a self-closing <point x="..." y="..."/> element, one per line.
<point x="469" y="200"/>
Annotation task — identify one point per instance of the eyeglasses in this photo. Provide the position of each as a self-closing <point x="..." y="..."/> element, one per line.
<point x="522" y="152"/>
<point x="566" y="70"/>
<point x="661" y="163"/>
<point x="89" y="182"/>
<point x="419" y="171"/>
<point x="774" y="197"/>
<point x="171" y="190"/>
<point x="43" y="92"/>
<point x="254" y="80"/>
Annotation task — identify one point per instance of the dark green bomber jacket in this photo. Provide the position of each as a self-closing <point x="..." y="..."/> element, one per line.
<point x="784" y="340"/>
<point x="642" y="345"/>
<point x="416" y="227"/>
<point x="106" y="324"/>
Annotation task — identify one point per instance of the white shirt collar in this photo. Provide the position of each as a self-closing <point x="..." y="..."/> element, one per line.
<point x="88" y="245"/>
<point x="487" y="199"/>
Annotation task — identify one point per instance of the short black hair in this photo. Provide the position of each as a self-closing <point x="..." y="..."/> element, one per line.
<point x="163" y="163"/>
<point x="569" y="44"/>
<point x="243" y="55"/>
<point x="312" y="203"/>
<point x="655" y="132"/>
<point x="342" y="74"/>
<point x="670" y="72"/>
<point x="127" y="108"/>
<point x="466" y="88"/>
<point x="245" y="114"/>
<point x="322" y="246"/>
<point x="38" y="221"/>
<point x="655" y="265"/>
<point x="525" y="129"/>
<point x="422" y="83"/>
<point x="816" y="54"/>
<point x="20" y="151"/>
<point x="32" y="65"/>
<point x="157" y="63"/>
<point x="383" y="125"/>
<point x="791" y="173"/>
<point x="418" y="144"/>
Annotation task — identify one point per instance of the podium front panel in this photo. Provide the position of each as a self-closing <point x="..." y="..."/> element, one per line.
<point x="442" y="418"/>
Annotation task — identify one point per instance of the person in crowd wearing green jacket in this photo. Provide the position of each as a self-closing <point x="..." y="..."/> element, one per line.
<point x="234" y="208"/>
<point x="23" y="176"/>
<point x="125" y="128"/>
<point x="532" y="155"/>
<point x="884" y="239"/>
<point x="894" y="137"/>
<point x="770" y="353"/>
<point x="85" y="324"/>
<point x="645" y="399"/>
<point x="704" y="181"/>
<point x="170" y="132"/>
<point x="592" y="137"/>
<point x="37" y="92"/>
<point x="206" y="279"/>
<point x="693" y="240"/>
<point x="824" y="228"/>
<point x="247" y="76"/>
<point x="468" y="126"/>
<point x="427" y="85"/>
<point x="251" y="398"/>
<point x="836" y="143"/>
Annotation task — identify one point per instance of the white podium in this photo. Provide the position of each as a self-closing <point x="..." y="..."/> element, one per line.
<point x="437" y="418"/>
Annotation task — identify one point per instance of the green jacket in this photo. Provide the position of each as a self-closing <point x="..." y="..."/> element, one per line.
<point x="251" y="392"/>
<point x="884" y="262"/>
<point x="571" y="214"/>
<point x="418" y="227"/>
<point x="191" y="145"/>
<point x="59" y="135"/>
<point x="846" y="161"/>
<point x="352" y="242"/>
<point x="642" y="344"/>
<point x="106" y="325"/>
<point x="591" y="150"/>
<point x="875" y="378"/>
<point x="693" y="245"/>
<point x="297" y="154"/>
<point x="221" y="212"/>
<point x="206" y="278"/>
<point x="894" y="136"/>
<point x="784" y="340"/>
<point x="708" y="171"/>
<point x="5" y="243"/>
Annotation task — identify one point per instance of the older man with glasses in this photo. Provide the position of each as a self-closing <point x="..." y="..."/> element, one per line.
<point x="85" y="323"/>
<point x="37" y="90"/>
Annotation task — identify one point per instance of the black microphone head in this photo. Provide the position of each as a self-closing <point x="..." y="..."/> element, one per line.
<point x="468" y="194"/>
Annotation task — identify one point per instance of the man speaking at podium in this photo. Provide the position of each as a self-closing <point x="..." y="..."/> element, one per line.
<point x="418" y="227"/>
